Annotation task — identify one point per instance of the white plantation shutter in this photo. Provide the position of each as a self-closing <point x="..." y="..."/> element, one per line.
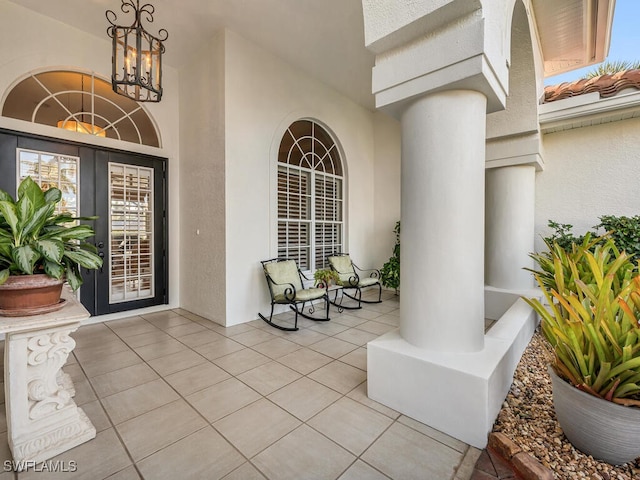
<point x="310" y="196"/>
<point x="131" y="268"/>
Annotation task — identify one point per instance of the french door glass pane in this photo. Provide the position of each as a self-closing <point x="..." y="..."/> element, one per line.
<point x="131" y="268"/>
<point x="51" y="170"/>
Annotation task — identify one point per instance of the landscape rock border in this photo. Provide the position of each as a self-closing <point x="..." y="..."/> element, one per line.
<point x="528" y="419"/>
<point x="523" y="464"/>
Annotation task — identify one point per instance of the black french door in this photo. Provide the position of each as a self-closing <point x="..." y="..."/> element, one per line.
<point x="128" y="193"/>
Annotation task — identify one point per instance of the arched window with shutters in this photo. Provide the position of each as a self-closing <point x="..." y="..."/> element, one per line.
<point x="310" y="195"/>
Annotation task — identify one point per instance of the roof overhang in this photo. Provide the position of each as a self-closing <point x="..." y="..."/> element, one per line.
<point x="588" y="110"/>
<point x="573" y="33"/>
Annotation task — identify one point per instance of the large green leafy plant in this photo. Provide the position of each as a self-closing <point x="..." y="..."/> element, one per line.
<point x="34" y="239"/>
<point x="591" y="320"/>
<point x="390" y="272"/>
<point x="555" y="265"/>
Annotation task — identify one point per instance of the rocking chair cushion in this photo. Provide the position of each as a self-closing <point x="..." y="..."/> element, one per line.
<point x="350" y="279"/>
<point x="342" y="265"/>
<point x="286" y="287"/>
<point x="302" y="295"/>
<point x="367" y="281"/>
<point x="284" y="274"/>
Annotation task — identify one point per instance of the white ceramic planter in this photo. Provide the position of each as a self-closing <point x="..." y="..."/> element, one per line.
<point x="605" y="430"/>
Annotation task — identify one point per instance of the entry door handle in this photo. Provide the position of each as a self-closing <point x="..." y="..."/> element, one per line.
<point x="101" y="254"/>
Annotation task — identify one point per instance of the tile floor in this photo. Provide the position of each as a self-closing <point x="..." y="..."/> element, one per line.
<point x="175" y="396"/>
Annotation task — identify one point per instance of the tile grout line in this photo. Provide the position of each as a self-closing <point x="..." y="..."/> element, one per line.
<point x="270" y="359"/>
<point x="302" y="422"/>
<point x="121" y="440"/>
<point x="113" y="426"/>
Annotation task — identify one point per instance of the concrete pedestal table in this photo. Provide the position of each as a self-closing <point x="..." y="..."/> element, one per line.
<point x="42" y="418"/>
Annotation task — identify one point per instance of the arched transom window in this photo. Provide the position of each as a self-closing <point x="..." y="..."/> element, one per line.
<point x="310" y="195"/>
<point x="82" y="103"/>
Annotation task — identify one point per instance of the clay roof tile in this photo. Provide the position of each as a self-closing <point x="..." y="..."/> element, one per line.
<point x="605" y="85"/>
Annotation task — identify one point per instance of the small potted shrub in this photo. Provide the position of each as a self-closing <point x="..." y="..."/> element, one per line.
<point x="592" y="325"/>
<point x="39" y="250"/>
<point x="325" y="277"/>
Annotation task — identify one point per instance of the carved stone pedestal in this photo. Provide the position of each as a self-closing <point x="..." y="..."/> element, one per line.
<point x="42" y="418"/>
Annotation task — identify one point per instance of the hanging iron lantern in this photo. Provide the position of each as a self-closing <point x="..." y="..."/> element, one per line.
<point x="137" y="55"/>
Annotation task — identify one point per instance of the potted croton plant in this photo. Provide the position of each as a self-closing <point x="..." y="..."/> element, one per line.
<point x="39" y="250"/>
<point x="591" y="323"/>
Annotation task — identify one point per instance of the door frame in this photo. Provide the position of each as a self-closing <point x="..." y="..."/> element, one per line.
<point x="160" y="240"/>
<point x="90" y="155"/>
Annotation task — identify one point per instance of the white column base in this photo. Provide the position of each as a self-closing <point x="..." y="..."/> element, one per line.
<point x="42" y="418"/>
<point x="459" y="394"/>
<point x="498" y="300"/>
<point x="71" y="429"/>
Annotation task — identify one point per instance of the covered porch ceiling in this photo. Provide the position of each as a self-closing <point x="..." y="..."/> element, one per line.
<point x="326" y="39"/>
<point x="323" y="38"/>
<point x="573" y="33"/>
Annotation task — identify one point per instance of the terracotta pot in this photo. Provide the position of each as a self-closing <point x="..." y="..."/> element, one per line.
<point x="29" y="293"/>
<point x="605" y="430"/>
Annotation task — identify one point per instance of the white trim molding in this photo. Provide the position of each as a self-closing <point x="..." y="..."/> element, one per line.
<point x="587" y="110"/>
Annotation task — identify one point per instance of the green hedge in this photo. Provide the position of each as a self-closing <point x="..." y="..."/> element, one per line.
<point x="625" y="232"/>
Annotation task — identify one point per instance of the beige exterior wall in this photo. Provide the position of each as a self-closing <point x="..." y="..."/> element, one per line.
<point x="589" y="172"/>
<point x="387" y="185"/>
<point x="202" y="176"/>
<point x="236" y="103"/>
<point x="221" y="119"/>
<point x="46" y="44"/>
<point x="264" y="95"/>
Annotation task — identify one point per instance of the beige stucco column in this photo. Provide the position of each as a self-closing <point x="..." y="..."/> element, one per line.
<point x="442" y="276"/>
<point x="510" y="209"/>
<point x="440" y="68"/>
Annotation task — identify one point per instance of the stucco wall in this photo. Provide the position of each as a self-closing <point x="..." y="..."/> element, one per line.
<point x="589" y="172"/>
<point x="30" y="42"/>
<point x="387" y="138"/>
<point x="521" y="112"/>
<point x="202" y="201"/>
<point x="264" y="96"/>
<point x="223" y="117"/>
